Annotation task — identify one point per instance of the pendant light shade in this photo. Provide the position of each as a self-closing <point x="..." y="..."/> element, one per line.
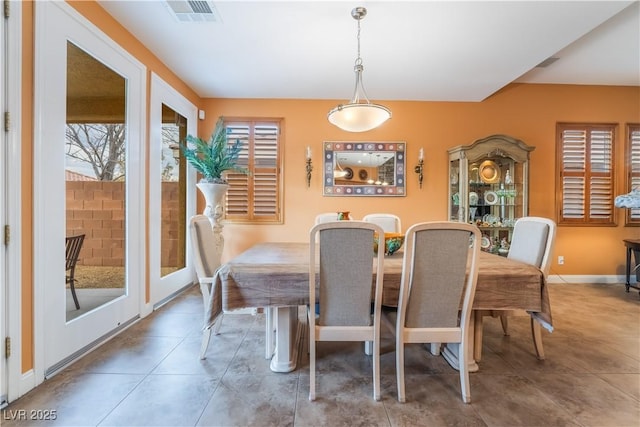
<point x="360" y="114"/>
<point x="359" y="117"/>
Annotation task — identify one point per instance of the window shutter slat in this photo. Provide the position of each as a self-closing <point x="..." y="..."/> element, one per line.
<point x="586" y="174"/>
<point x="633" y="147"/>
<point x="257" y="196"/>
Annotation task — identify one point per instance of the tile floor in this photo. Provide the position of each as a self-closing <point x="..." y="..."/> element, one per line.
<point x="150" y="375"/>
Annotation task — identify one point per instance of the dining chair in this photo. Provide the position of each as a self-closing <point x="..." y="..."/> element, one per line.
<point x="73" y="245"/>
<point x="439" y="272"/>
<point x="390" y="223"/>
<point x="532" y="243"/>
<point x="341" y="264"/>
<point x="327" y="217"/>
<point x="202" y="240"/>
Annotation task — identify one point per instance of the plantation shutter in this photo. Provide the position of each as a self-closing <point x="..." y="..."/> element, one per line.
<point x="255" y="197"/>
<point x="585" y="154"/>
<point x="238" y="193"/>
<point x="633" y="165"/>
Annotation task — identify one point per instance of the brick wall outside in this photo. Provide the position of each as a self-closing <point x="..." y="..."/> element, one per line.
<point x="96" y="208"/>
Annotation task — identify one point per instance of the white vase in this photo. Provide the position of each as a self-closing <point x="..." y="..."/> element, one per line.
<point x="214" y="210"/>
<point x="214" y="198"/>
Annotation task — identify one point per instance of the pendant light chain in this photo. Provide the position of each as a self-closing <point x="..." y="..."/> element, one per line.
<point x="360" y="114"/>
<point x="358" y="59"/>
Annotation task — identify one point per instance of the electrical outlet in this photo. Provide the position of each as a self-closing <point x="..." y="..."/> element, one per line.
<point x="560" y="260"/>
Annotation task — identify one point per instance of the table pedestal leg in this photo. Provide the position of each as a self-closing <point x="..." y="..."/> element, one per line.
<point x="451" y="350"/>
<point x="288" y="336"/>
<point x="270" y="332"/>
<point x="434" y="348"/>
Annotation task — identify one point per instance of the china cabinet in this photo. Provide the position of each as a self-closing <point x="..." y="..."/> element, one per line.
<point x="489" y="186"/>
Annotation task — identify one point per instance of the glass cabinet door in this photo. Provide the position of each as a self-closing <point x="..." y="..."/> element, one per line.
<point x="488" y="186"/>
<point x="455" y="212"/>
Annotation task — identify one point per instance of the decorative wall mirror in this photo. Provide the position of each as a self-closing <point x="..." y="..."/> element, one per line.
<point x="364" y="168"/>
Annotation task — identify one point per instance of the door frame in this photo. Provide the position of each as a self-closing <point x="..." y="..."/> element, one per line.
<point x="162" y="288"/>
<point x="54" y="21"/>
<point x="11" y="203"/>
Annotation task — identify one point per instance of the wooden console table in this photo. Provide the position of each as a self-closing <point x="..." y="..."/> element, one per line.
<point x="632" y="245"/>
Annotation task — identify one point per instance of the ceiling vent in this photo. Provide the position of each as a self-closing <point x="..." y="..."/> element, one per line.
<point x="193" y="11"/>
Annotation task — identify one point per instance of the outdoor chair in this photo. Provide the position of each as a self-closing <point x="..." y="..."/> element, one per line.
<point x="73" y="245"/>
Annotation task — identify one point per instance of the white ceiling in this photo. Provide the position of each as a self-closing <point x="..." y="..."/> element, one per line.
<point x="411" y="50"/>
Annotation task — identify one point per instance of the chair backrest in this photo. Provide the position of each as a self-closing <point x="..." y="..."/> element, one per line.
<point x="440" y="270"/>
<point x="532" y="242"/>
<point x="345" y="272"/>
<point x="203" y="244"/>
<point x="327" y="217"/>
<point x="390" y="223"/>
<point x="73" y="245"/>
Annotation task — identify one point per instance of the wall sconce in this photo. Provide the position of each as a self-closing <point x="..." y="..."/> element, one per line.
<point x="418" y="168"/>
<point x="309" y="167"/>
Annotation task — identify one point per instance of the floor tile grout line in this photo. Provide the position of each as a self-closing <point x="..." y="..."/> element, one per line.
<point x="224" y="373"/>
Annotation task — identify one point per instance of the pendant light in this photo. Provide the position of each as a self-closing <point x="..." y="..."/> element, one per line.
<point x="339" y="172"/>
<point x="360" y="114"/>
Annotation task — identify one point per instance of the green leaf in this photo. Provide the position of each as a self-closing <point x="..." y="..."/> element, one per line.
<point x="212" y="158"/>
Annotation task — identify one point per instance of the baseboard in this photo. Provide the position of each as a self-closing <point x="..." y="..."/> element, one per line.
<point x="578" y="278"/>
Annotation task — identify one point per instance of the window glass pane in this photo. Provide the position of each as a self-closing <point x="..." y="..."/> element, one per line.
<point x="95" y="167"/>
<point x="173" y="203"/>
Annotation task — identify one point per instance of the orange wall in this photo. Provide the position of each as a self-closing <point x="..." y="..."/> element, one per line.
<point x="527" y="112"/>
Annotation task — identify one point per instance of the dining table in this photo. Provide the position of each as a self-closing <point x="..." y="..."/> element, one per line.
<point x="275" y="276"/>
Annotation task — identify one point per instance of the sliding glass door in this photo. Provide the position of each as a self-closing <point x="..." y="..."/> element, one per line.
<point x="171" y="190"/>
<point x="88" y="181"/>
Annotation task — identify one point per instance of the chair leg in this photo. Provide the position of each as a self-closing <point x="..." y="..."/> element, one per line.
<point x="463" y="366"/>
<point x="536" y="331"/>
<point x="206" y="336"/>
<point x="72" y="286"/>
<point x="312" y="354"/>
<point x="504" y="319"/>
<point x="400" y="370"/>
<point x="376" y="369"/>
<point x="217" y="324"/>
<point x="477" y="335"/>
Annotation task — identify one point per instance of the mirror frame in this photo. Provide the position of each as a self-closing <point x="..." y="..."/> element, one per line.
<point x="330" y="148"/>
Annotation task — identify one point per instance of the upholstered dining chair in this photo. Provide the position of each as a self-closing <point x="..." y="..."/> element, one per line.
<point x="439" y="272"/>
<point x="342" y="264"/>
<point x="202" y="240"/>
<point x="327" y="217"/>
<point x="73" y="245"/>
<point x="390" y="223"/>
<point x="532" y="243"/>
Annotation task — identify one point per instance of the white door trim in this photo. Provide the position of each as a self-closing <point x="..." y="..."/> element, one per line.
<point x="12" y="82"/>
<point x="55" y="21"/>
<point x="163" y="93"/>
